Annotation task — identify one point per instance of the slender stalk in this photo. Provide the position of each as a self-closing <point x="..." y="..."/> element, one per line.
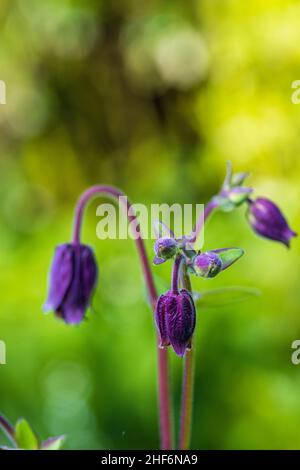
<point x="163" y="363"/>
<point x="187" y="382"/>
<point x="8" y="429"/>
<point x="119" y="196"/>
<point x="175" y="273"/>
<point x="187" y="400"/>
<point x="209" y="208"/>
<point x="189" y="359"/>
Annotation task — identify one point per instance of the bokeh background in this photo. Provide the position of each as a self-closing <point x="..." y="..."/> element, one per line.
<point x="153" y="97"/>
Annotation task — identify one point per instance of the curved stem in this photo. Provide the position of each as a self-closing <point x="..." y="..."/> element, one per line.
<point x="209" y="208"/>
<point x="163" y="365"/>
<point x="120" y="197"/>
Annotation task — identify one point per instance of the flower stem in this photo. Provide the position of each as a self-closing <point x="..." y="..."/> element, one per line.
<point x="163" y="363"/>
<point x="189" y="360"/>
<point x="187" y="383"/>
<point x="209" y="208"/>
<point x="187" y="400"/>
<point x="8" y="429"/>
<point x="175" y="273"/>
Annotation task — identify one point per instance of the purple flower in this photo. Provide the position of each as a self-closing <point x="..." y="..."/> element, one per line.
<point x="210" y="263"/>
<point x="72" y="280"/>
<point x="268" y="221"/>
<point x="164" y="248"/>
<point x="207" y="264"/>
<point x="175" y="317"/>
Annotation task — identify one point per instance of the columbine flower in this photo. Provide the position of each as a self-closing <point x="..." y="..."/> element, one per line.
<point x="268" y="221"/>
<point x="72" y="280"/>
<point x="211" y="263"/>
<point x="175" y="317"/>
<point x="164" y="248"/>
<point x="207" y="264"/>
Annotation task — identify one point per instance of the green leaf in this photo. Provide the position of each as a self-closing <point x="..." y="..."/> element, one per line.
<point x="53" y="443"/>
<point x="25" y="438"/>
<point x="228" y="256"/>
<point x="225" y="296"/>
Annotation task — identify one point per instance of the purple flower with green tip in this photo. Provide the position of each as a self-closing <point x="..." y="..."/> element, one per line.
<point x="267" y="220"/>
<point x="207" y="264"/>
<point x="164" y="248"/>
<point x="72" y="281"/>
<point x="211" y="263"/>
<point x="175" y="317"/>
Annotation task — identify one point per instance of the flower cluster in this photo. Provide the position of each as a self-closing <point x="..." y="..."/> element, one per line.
<point x="74" y="270"/>
<point x="175" y="311"/>
<point x="74" y="274"/>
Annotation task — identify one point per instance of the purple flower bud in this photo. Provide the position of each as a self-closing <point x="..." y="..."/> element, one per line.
<point x="72" y="280"/>
<point x="175" y="317"/>
<point x="207" y="264"/>
<point x="165" y="248"/>
<point x="267" y="220"/>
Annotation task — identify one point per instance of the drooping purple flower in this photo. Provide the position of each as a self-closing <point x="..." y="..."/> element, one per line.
<point x="175" y="317"/>
<point x="164" y="248"/>
<point x="72" y="280"/>
<point x="267" y="220"/>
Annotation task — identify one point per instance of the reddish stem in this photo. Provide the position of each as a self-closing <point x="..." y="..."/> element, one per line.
<point x="209" y="208"/>
<point x="175" y="273"/>
<point x="163" y="366"/>
<point x="189" y="360"/>
<point x="187" y="400"/>
<point x="8" y="429"/>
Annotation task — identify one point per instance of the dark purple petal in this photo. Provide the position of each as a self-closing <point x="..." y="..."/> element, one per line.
<point x="160" y="318"/>
<point x="181" y="320"/>
<point x="73" y="297"/>
<point x="84" y="279"/>
<point x="60" y="276"/>
<point x="89" y="270"/>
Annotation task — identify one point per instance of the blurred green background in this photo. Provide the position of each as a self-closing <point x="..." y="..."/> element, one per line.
<point x="153" y="97"/>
